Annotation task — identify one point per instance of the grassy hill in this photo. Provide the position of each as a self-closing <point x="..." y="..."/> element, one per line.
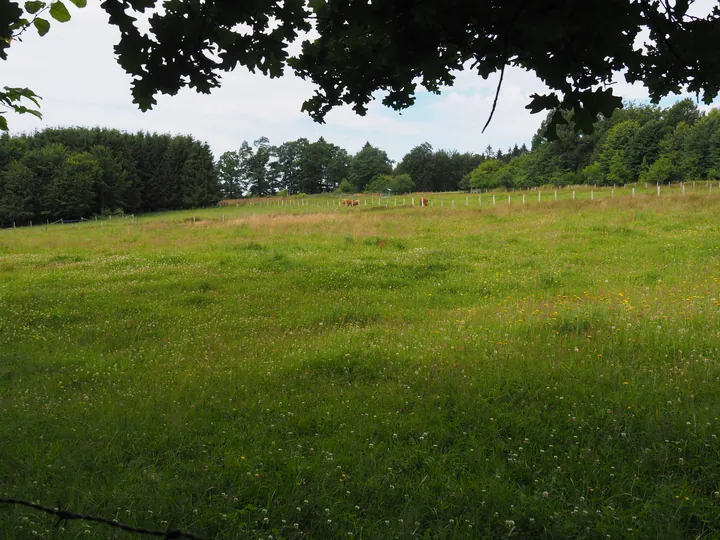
<point x="458" y="371"/>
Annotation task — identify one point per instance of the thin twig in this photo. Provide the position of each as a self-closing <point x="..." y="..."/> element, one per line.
<point x="506" y="46"/>
<point x="64" y="515"/>
<point x="29" y="24"/>
<point x="497" y="93"/>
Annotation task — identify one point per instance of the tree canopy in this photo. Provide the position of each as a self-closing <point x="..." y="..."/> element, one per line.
<point x="353" y="49"/>
<point x="80" y="172"/>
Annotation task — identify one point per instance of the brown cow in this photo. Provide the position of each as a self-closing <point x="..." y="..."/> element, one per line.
<point x="423" y="201"/>
<point x="356" y="202"/>
<point x="346" y="202"/>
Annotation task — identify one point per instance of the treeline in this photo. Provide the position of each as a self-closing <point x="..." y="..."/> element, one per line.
<point x="637" y="143"/>
<point x="308" y="167"/>
<point x="80" y="172"/>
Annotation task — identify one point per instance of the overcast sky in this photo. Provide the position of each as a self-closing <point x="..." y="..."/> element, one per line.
<point x="74" y="70"/>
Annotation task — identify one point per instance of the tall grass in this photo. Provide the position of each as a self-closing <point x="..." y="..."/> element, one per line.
<point x="547" y="370"/>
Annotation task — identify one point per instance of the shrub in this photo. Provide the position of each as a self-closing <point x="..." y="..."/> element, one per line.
<point x="402" y="183"/>
<point x="346" y="187"/>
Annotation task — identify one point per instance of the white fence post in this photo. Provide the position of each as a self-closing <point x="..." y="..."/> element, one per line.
<point x="633" y="192"/>
<point x="523" y="198"/>
<point x="493" y="200"/>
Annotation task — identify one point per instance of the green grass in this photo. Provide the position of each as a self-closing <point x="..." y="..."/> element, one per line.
<point x="547" y="370"/>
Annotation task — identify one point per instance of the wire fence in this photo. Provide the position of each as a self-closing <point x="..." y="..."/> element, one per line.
<point x="64" y="515"/>
<point x="485" y="198"/>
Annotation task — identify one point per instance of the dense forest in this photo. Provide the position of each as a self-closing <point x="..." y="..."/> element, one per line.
<point x="80" y="172"/>
<point x="308" y="167"/>
<point x="637" y="143"/>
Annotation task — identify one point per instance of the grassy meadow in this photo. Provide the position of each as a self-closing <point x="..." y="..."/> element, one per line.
<point x="547" y="370"/>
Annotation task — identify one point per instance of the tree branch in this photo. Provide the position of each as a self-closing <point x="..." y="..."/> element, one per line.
<point x="506" y="46"/>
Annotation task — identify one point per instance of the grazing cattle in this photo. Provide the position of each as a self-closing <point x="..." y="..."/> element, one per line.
<point x="423" y="201"/>
<point x="356" y="202"/>
<point x="350" y="202"/>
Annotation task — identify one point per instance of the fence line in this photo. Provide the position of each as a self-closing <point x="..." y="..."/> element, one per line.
<point x="64" y="515"/>
<point x="334" y="202"/>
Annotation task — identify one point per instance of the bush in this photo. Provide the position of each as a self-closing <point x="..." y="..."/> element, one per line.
<point x="117" y="212"/>
<point x="283" y="193"/>
<point x="380" y="184"/>
<point x="402" y="183"/>
<point x="346" y="187"/>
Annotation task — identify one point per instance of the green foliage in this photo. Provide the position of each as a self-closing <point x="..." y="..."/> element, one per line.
<point x="367" y="165"/>
<point x="346" y="187"/>
<point x="618" y="171"/>
<point x="13" y="99"/>
<point x="663" y="171"/>
<point x="380" y="184"/>
<point x="487" y="174"/>
<point x="77" y="172"/>
<point x="71" y="192"/>
<point x="321" y="166"/>
<point x="230" y="175"/>
<point x="387" y="184"/>
<point x="349" y="64"/>
<point x="593" y="173"/>
<point x="59" y="12"/>
<point x="14" y="21"/>
<point x="402" y="183"/>
<point x="624" y="147"/>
